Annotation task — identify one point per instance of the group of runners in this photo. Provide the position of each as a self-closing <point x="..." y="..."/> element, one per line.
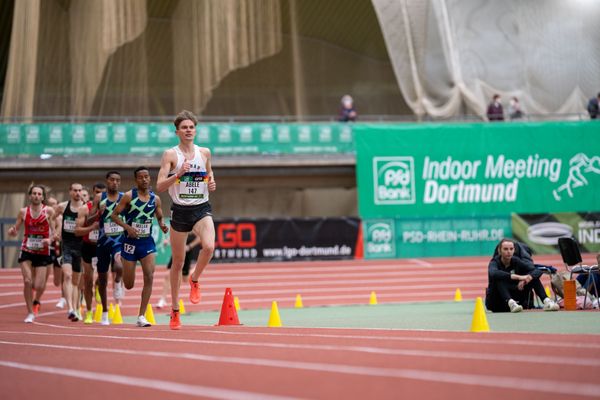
<point x="113" y="230"/>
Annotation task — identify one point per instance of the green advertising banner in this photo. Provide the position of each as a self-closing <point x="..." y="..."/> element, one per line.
<point x="154" y="138"/>
<point x="431" y="237"/>
<point x="542" y="231"/>
<point x="483" y="169"/>
<point x="427" y="190"/>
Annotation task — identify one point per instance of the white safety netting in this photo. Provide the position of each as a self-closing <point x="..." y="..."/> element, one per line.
<point x="451" y="56"/>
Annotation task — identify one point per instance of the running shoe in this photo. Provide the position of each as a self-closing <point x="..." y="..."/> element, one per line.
<point x="29" y="319"/>
<point x="118" y="291"/>
<point x="142" y="322"/>
<point x="61" y="303"/>
<point x="550" y="305"/>
<point x="72" y="316"/>
<point x="36" y="308"/>
<point x="175" y="322"/>
<point x="194" y="291"/>
<point x="161" y="303"/>
<point x="104" y="320"/>
<point x="514" y="306"/>
<point x="89" y="318"/>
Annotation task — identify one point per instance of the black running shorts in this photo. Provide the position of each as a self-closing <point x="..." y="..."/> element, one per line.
<point x="183" y="218"/>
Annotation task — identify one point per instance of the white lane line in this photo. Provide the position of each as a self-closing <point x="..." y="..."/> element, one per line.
<point x="336" y="275"/>
<point x="463" y="355"/>
<point x="152" y="384"/>
<point x="495" y="338"/>
<point x="583" y="344"/>
<point x="495" y="381"/>
<point x="422" y="263"/>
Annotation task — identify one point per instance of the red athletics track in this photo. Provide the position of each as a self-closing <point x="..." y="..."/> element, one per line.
<point x="55" y="358"/>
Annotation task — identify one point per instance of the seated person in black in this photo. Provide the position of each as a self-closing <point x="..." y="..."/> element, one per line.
<point x="510" y="280"/>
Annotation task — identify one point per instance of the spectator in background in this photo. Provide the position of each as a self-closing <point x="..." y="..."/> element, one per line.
<point x="495" y="111"/>
<point x="347" y="110"/>
<point x="510" y="280"/>
<point x="514" y="109"/>
<point x="593" y="106"/>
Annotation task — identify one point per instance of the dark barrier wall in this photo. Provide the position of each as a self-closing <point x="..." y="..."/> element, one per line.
<point x="267" y="239"/>
<point x="286" y="239"/>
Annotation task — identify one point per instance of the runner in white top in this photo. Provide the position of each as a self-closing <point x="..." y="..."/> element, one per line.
<point x="185" y="170"/>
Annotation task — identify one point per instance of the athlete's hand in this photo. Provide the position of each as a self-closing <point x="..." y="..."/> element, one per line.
<point x="131" y="232"/>
<point x="212" y="185"/>
<point x="12" y="231"/>
<point x="164" y="228"/>
<point x="95" y="225"/>
<point x="185" y="167"/>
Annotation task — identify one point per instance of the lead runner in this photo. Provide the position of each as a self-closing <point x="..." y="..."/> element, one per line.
<point x="185" y="170"/>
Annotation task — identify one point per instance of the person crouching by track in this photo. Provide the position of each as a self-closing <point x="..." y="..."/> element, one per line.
<point x="38" y="220"/>
<point x="510" y="281"/>
<point x="140" y="206"/>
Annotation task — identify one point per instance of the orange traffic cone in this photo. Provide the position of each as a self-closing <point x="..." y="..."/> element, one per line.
<point x="359" y="252"/>
<point x="228" y="313"/>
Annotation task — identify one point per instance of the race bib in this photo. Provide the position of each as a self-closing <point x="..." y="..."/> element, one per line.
<point x="142" y="228"/>
<point x="192" y="185"/>
<point x="112" y="229"/>
<point x="93" y="235"/>
<point x="129" y="248"/>
<point x="35" y="243"/>
<point x="69" y="225"/>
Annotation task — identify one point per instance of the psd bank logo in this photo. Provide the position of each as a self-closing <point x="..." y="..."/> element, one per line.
<point x="394" y="180"/>
<point x="380" y="239"/>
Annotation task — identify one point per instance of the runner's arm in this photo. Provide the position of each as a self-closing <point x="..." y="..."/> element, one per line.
<point x="53" y="224"/>
<point x="81" y="226"/>
<point x="116" y="214"/>
<point x="212" y="184"/>
<point x="93" y="213"/>
<point x="159" y="215"/>
<point x="13" y="230"/>
<point x="163" y="180"/>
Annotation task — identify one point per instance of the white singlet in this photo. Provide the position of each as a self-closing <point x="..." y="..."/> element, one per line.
<point x="191" y="189"/>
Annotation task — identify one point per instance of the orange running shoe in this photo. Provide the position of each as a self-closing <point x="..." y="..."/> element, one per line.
<point x="36" y="309"/>
<point x="194" y="291"/>
<point x="175" y="322"/>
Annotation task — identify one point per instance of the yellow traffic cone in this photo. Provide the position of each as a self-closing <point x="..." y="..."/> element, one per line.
<point x="118" y="318"/>
<point x="274" y="319"/>
<point x="98" y="313"/>
<point x="548" y="292"/>
<point x="150" y="314"/>
<point x="479" y="322"/>
<point x="236" y="303"/>
<point x="111" y="311"/>
<point x="298" y="303"/>
<point x="373" y="299"/>
<point x="181" y="307"/>
<point x="457" y="295"/>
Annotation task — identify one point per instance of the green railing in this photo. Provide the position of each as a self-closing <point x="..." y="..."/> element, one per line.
<point x="153" y="138"/>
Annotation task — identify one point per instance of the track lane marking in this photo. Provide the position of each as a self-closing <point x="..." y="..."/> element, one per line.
<point x="534" y="359"/>
<point x="536" y="385"/>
